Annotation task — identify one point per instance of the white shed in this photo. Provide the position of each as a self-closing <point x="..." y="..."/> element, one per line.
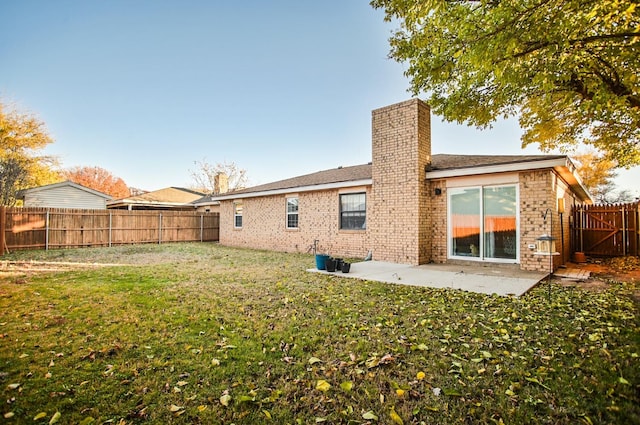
<point x="64" y="195"/>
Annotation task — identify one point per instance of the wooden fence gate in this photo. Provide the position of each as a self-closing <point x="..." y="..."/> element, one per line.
<point x="606" y="230"/>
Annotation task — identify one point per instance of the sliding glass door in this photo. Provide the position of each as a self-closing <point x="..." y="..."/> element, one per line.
<point x="483" y="223"/>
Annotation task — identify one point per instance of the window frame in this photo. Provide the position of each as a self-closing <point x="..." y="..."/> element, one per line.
<point x="238" y="210"/>
<point x="291" y="214"/>
<point x="342" y="212"/>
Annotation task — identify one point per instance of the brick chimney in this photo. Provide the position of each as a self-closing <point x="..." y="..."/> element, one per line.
<point x="220" y="183"/>
<point x="401" y="139"/>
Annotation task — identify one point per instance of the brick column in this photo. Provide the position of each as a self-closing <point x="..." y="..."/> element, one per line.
<point x="401" y="139"/>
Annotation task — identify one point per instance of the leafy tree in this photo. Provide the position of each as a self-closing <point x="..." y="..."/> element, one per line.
<point x="98" y="179"/>
<point x="22" y="136"/>
<point x="206" y="175"/>
<point x="567" y="68"/>
<point x="598" y="174"/>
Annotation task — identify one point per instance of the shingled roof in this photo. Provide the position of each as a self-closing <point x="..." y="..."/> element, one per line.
<point x="362" y="173"/>
<point x="334" y="175"/>
<point x="452" y="162"/>
<point x="167" y="197"/>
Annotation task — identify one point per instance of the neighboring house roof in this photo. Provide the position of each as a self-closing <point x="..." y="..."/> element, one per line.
<point x="21" y="194"/>
<point x="170" y="197"/>
<point x="205" y="201"/>
<point x="442" y="166"/>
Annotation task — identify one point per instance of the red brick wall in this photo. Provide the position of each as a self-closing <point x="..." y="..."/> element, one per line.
<point x="264" y="224"/>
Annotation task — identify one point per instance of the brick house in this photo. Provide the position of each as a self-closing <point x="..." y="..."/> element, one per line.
<point x="411" y="207"/>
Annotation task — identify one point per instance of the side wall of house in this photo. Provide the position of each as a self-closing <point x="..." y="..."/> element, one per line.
<point x="536" y="195"/>
<point x="538" y="191"/>
<point x="64" y="197"/>
<point x="437" y="213"/>
<point x="264" y="224"/>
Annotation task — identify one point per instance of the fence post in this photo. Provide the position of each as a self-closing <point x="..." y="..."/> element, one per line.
<point x="110" y="226"/>
<point x="201" y="227"/>
<point x="46" y="231"/>
<point x="625" y="229"/>
<point x="3" y="224"/>
<point x="159" y="228"/>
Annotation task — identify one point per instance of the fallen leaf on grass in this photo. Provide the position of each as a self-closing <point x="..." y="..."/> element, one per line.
<point x="55" y="418"/>
<point x="40" y="416"/>
<point x="374" y="361"/>
<point x="323" y="385"/>
<point x="535" y="381"/>
<point x="173" y="408"/>
<point x="370" y="416"/>
<point x="225" y="399"/>
<point x="347" y="385"/>
<point x="314" y="360"/>
<point x="13" y="386"/>
<point x="395" y="417"/>
<point x="8" y="415"/>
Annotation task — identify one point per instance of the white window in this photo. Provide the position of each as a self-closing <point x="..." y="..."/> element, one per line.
<point x="237" y="215"/>
<point x="292" y="213"/>
<point x="483" y="223"/>
<point x="353" y="211"/>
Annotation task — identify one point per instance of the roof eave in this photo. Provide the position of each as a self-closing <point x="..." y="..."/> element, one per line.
<point x="563" y="166"/>
<point x="310" y="188"/>
<point x="69" y="183"/>
<point x="570" y="175"/>
<point x="151" y="203"/>
<point x="205" y="203"/>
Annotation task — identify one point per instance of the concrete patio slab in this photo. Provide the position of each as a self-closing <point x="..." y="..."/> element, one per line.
<point x="484" y="279"/>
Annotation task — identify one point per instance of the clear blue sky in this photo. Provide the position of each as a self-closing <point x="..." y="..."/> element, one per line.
<point x="282" y="88"/>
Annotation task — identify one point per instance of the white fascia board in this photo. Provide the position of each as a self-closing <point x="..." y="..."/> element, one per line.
<point x="500" y="168"/>
<point x="313" y="188"/>
<point x="154" y="203"/>
<point x="205" y="203"/>
<point x="568" y="175"/>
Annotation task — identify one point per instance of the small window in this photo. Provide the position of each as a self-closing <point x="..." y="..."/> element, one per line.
<point x="353" y="211"/>
<point x="237" y="215"/>
<point x="292" y="213"/>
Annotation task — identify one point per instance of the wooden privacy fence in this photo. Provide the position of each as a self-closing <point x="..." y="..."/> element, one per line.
<point x="49" y="228"/>
<point x="606" y="230"/>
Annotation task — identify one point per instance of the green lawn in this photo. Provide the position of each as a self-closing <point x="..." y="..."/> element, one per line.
<point x="199" y="333"/>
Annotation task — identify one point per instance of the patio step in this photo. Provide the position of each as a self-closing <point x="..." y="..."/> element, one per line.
<point x="573" y="274"/>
